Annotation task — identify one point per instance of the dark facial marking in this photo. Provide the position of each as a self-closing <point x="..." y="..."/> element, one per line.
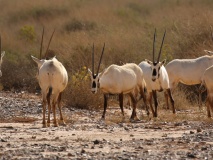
<point x="154" y="73"/>
<point x="93" y="84"/>
<point x="158" y="72"/>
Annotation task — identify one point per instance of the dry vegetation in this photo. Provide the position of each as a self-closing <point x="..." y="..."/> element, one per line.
<point x="125" y="26"/>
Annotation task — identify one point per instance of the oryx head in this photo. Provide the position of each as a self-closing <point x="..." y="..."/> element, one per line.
<point x="2" y="55"/>
<point x="95" y="76"/>
<point x="156" y="65"/>
<point x="41" y="60"/>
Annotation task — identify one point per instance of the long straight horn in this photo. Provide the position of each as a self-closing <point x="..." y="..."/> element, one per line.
<point x="154" y="46"/>
<point x="161" y="47"/>
<point x="41" y="43"/>
<point x="93" y="58"/>
<point x="100" y="59"/>
<point x="49" y="44"/>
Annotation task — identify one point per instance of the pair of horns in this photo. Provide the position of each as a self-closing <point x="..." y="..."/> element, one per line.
<point x="93" y="48"/>
<point x="159" y="54"/>
<point x="45" y="56"/>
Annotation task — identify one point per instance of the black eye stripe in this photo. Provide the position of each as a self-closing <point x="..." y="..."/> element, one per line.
<point x="93" y="84"/>
<point x="154" y="72"/>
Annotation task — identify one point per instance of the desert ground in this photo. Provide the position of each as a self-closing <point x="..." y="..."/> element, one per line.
<point x="86" y="136"/>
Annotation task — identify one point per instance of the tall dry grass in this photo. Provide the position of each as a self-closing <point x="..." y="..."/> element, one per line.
<point x="125" y="26"/>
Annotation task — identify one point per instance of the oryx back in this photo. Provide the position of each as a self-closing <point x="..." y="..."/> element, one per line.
<point x="119" y="79"/>
<point x="188" y="71"/>
<point x="53" y="74"/>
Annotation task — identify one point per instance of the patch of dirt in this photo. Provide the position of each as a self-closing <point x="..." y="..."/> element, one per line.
<point x="87" y="137"/>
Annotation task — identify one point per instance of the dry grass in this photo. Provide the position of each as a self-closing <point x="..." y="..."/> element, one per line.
<point x="125" y="26"/>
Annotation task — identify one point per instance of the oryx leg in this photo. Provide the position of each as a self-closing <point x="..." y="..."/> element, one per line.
<point x="49" y="109"/>
<point x="201" y="90"/>
<point x="133" y="116"/>
<point x="54" y="112"/>
<point x="171" y="99"/>
<point x="121" y="102"/>
<point x="150" y="103"/>
<point x="144" y="99"/>
<point x="44" y="102"/>
<point x="166" y="99"/>
<point x="155" y="102"/>
<point x="208" y="103"/>
<point x="105" y="106"/>
<point x="59" y="107"/>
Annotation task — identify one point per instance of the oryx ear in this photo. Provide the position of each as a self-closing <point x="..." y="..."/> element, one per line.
<point x="148" y="61"/>
<point x="163" y="62"/>
<point x="90" y="72"/>
<point x="54" y="57"/>
<point x="38" y="61"/>
<point x="209" y="52"/>
<point x="2" y="54"/>
<point x="101" y="73"/>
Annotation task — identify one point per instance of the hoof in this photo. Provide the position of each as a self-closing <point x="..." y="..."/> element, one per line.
<point x="62" y="123"/>
<point x="147" y="113"/>
<point x="44" y="124"/>
<point x="55" y="124"/>
<point x="135" y="119"/>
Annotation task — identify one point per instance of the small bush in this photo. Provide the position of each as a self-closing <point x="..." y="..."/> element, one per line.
<point x="27" y="33"/>
<point x="76" y="25"/>
<point x="78" y="94"/>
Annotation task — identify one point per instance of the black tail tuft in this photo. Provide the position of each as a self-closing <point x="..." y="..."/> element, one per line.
<point x="49" y="94"/>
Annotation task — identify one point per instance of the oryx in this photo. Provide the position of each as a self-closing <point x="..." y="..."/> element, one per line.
<point x="53" y="79"/>
<point x="2" y="55"/>
<point x="208" y="83"/>
<point x="115" y="79"/>
<point x="188" y="71"/>
<point x="156" y="78"/>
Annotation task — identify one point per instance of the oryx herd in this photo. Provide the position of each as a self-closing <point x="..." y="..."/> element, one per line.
<point x="138" y="81"/>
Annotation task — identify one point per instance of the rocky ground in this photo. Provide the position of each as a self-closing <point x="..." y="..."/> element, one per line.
<point x="86" y="137"/>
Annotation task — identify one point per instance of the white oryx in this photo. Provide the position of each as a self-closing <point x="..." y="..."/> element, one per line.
<point x="125" y="79"/>
<point x="53" y="78"/>
<point x="2" y="55"/>
<point x="188" y="71"/>
<point x="156" y="78"/>
<point x="208" y="83"/>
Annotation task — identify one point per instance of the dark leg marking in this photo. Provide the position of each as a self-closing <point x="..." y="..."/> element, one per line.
<point x="171" y="100"/>
<point x="144" y="99"/>
<point x="156" y="102"/>
<point x="150" y="103"/>
<point x="133" y="106"/>
<point x="105" y="106"/>
<point x="59" y="107"/>
<point x="121" y="102"/>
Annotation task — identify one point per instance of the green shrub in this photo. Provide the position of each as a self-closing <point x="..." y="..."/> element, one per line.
<point x="76" y="25"/>
<point x="28" y="33"/>
<point x="78" y="94"/>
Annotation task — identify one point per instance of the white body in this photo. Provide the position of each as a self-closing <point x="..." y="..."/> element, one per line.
<point x="121" y="79"/>
<point x="208" y="83"/>
<point x="188" y="71"/>
<point x="125" y="79"/>
<point x="159" y="84"/>
<point x="51" y="76"/>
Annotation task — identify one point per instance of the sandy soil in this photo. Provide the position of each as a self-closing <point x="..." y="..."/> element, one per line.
<point x="86" y="137"/>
